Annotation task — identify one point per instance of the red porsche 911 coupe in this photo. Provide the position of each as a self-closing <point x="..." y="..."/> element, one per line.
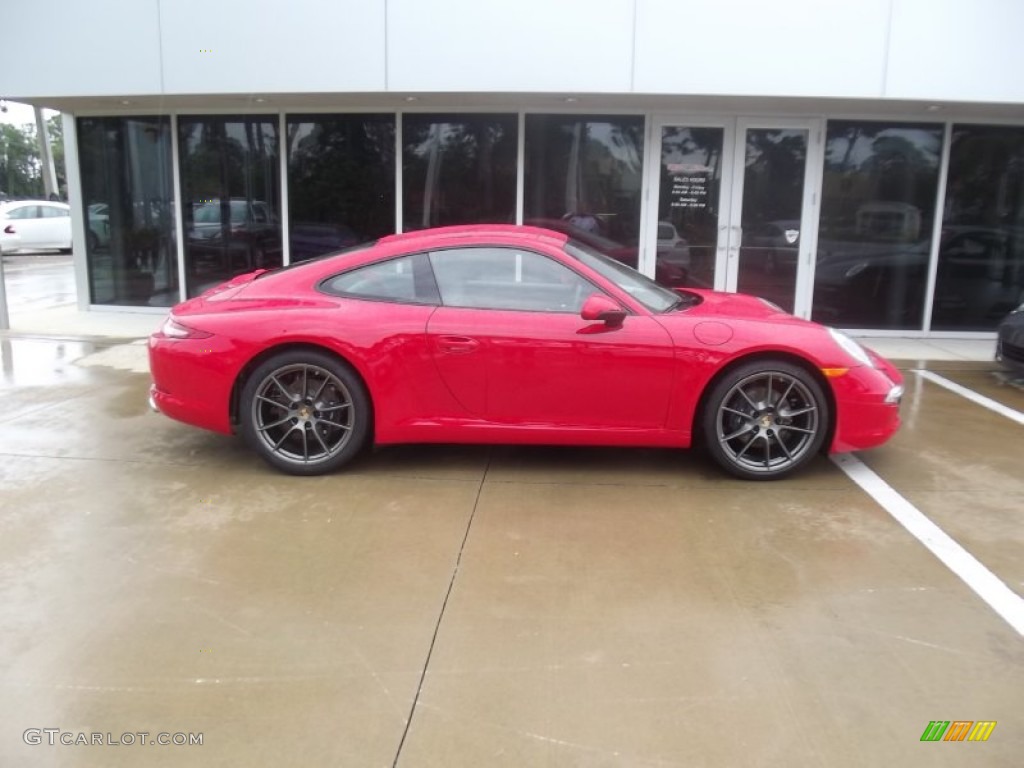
<point x="515" y="335"/>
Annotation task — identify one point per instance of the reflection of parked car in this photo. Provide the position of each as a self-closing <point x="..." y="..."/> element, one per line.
<point x="886" y="220"/>
<point x="99" y="225"/>
<point x="977" y="281"/>
<point x="36" y="225"/>
<point x="671" y="247"/>
<point x="1010" y="343"/>
<point x="506" y="334"/>
<point x="309" y="240"/>
<point x="980" y="277"/>
<point x="247" y="237"/>
<point x="772" y="245"/>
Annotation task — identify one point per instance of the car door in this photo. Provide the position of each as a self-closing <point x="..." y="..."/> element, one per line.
<point x="511" y="346"/>
<point x="55" y="226"/>
<point x="25" y="222"/>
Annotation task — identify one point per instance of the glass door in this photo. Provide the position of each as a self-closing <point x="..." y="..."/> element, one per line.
<point x="771" y="229"/>
<point x="686" y="243"/>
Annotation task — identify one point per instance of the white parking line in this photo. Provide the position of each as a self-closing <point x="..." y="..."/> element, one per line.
<point x="970" y="394"/>
<point x="989" y="587"/>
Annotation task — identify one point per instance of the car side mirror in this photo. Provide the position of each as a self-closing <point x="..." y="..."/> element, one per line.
<point x="599" y="307"/>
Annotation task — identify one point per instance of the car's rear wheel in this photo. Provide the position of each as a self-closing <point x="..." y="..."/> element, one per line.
<point x="305" y="412"/>
<point x="765" y="419"/>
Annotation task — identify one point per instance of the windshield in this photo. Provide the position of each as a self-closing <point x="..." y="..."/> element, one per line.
<point x="643" y="289"/>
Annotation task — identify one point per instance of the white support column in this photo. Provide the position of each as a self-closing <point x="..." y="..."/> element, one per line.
<point x="521" y="168"/>
<point x="73" y="170"/>
<point x="283" y="149"/>
<point x="940" y="204"/>
<point x="179" y="207"/>
<point x="399" y="212"/>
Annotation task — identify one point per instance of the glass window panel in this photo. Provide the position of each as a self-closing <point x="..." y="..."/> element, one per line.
<point x="128" y="201"/>
<point x="583" y="178"/>
<point x="458" y="169"/>
<point x="980" y="275"/>
<point x="690" y="185"/>
<point x="504" y="278"/>
<point x="772" y="213"/>
<point x="877" y="211"/>
<point x="341" y="181"/>
<point x="230" y="189"/>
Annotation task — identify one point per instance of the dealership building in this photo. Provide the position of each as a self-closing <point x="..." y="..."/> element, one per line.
<point x="860" y="164"/>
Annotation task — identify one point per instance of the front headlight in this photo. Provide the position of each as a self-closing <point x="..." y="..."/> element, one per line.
<point x="851" y="347"/>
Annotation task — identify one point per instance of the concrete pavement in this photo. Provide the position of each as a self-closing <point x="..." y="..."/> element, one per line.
<point x="450" y="606"/>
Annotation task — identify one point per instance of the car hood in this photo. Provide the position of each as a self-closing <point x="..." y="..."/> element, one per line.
<point x="735" y="306"/>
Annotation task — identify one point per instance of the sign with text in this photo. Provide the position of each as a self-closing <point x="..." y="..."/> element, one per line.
<point x="689" y="185"/>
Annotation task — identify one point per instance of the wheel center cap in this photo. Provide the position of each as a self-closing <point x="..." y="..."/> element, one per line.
<point x="766" y="421"/>
<point x="305" y="412"/>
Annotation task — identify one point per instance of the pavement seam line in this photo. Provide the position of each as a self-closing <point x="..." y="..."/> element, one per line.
<point x="970" y="394"/>
<point x="985" y="584"/>
<point x="440" y="616"/>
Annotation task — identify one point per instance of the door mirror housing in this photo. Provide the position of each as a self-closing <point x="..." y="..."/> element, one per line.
<point x="599" y="307"/>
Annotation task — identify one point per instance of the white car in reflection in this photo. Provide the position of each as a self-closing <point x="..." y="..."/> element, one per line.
<point x="35" y="225"/>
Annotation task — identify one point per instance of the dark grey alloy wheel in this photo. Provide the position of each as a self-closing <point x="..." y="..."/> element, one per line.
<point x="305" y="412"/>
<point x="765" y="419"/>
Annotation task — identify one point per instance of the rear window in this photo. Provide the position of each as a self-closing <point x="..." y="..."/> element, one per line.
<point x="406" y="280"/>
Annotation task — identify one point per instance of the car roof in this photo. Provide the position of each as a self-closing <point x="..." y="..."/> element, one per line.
<point x="19" y="203"/>
<point x="477" y="232"/>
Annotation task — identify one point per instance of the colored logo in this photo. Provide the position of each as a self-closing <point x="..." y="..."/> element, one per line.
<point x="958" y="730"/>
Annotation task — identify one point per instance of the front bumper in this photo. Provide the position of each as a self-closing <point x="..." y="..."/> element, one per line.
<point x="1010" y="344"/>
<point x="867" y="406"/>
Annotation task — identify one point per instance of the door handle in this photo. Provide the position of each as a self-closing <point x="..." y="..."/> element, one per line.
<point x="457" y="344"/>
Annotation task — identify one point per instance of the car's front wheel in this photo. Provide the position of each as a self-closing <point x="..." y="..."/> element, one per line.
<point x="765" y="419"/>
<point x="305" y="412"/>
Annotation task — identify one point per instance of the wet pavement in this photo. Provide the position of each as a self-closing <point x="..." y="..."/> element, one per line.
<point x="462" y="606"/>
<point x="38" y="280"/>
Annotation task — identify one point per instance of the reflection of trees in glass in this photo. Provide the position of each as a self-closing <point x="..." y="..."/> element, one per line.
<point x="700" y="148"/>
<point x="341" y="172"/>
<point x="870" y="162"/>
<point x="986" y="176"/>
<point x="127" y="205"/>
<point x="230" y="162"/>
<point x="980" y="274"/>
<point x="458" y="169"/>
<point x="878" y="205"/>
<point x="774" y="178"/>
<point x="586" y="165"/>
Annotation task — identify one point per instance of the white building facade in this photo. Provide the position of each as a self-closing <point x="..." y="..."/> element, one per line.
<point x="861" y="164"/>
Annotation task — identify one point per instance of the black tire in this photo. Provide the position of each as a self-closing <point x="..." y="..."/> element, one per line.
<point x="765" y="419"/>
<point x="305" y="412"/>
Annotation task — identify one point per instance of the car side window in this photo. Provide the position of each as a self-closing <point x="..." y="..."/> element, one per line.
<point x="25" y="212"/>
<point x="507" y="278"/>
<point x="407" y="279"/>
<point x="53" y="212"/>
